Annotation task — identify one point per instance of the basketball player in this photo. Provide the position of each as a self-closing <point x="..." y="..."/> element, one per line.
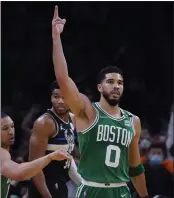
<point x="23" y="171"/>
<point x="53" y="130"/>
<point x="108" y="135"/>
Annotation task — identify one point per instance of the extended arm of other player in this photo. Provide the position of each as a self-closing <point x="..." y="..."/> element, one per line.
<point x="138" y="179"/>
<point x="38" y="143"/>
<point x="73" y="98"/>
<point x="23" y="171"/>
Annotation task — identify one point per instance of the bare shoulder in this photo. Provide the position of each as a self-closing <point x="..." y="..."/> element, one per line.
<point x="44" y="124"/>
<point x="136" y="120"/>
<point x="5" y="154"/>
<point x="137" y="125"/>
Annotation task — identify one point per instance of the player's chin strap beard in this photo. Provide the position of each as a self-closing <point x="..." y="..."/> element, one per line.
<point x="111" y="102"/>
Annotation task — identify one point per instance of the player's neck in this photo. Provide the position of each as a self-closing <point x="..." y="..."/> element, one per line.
<point x="108" y="108"/>
<point x="64" y="117"/>
<point x="5" y="147"/>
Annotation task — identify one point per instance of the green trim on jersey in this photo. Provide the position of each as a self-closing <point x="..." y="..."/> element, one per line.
<point x="110" y="116"/>
<point x="104" y="147"/>
<point x="93" y="124"/>
<point x="5" y="183"/>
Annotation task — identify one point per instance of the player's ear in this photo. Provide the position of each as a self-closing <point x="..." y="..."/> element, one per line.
<point x="51" y="98"/>
<point x="99" y="87"/>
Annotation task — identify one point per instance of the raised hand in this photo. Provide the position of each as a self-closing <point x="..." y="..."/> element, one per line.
<point x="57" y="24"/>
<point x="60" y="154"/>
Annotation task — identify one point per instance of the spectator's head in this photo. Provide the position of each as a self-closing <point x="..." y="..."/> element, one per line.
<point x="156" y="154"/>
<point x="59" y="105"/>
<point x="7" y="131"/>
<point x="145" y="143"/>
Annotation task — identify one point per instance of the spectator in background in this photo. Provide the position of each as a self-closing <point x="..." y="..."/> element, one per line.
<point x="144" y="145"/>
<point x="27" y="124"/>
<point x="158" y="178"/>
<point x="30" y="117"/>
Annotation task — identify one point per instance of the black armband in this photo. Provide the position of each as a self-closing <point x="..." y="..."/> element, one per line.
<point x="135" y="171"/>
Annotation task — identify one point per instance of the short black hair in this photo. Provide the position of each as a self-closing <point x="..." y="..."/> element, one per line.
<point x="161" y="146"/>
<point x="106" y="70"/>
<point x="3" y="115"/>
<point x="54" y="85"/>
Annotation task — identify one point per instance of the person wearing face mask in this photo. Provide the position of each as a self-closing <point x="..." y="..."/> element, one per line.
<point x="158" y="178"/>
<point x="144" y="146"/>
<point x="155" y="156"/>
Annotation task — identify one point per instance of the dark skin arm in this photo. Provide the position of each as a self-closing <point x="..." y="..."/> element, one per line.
<point x="139" y="181"/>
<point x="44" y="127"/>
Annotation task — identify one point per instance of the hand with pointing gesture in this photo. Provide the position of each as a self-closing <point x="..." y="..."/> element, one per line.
<point x="57" y="24"/>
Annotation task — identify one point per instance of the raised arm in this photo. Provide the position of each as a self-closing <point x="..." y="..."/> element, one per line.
<point x="136" y="169"/>
<point x="42" y="129"/>
<point x="23" y="171"/>
<point x="73" y="98"/>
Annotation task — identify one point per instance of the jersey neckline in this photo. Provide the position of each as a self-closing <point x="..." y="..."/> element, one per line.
<point x="110" y="116"/>
<point x="59" y="117"/>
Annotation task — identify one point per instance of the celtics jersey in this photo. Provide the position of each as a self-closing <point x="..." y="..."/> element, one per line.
<point x="5" y="182"/>
<point x="104" y="147"/>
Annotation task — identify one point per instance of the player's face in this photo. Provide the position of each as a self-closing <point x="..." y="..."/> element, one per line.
<point x="58" y="102"/>
<point x="112" y="88"/>
<point x="7" y="131"/>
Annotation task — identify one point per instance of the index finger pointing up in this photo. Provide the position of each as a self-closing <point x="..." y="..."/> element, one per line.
<point x="56" y="14"/>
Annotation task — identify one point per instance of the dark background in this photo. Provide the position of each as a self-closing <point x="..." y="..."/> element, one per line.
<point x="135" y="36"/>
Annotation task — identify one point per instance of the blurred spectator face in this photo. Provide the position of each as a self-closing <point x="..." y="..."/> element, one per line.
<point x="158" y="139"/>
<point x="58" y="102"/>
<point x="155" y="156"/>
<point x="7" y="131"/>
<point x="145" y="143"/>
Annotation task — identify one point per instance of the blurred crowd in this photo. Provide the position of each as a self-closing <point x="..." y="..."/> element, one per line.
<point x="157" y="152"/>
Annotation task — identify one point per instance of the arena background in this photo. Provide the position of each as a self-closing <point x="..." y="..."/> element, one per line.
<point x="135" y="36"/>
